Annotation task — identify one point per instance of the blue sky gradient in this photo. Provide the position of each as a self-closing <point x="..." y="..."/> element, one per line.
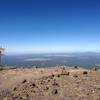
<point x="50" y="25"/>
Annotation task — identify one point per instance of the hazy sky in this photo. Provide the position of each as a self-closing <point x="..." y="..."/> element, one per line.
<point x="50" y="25"/>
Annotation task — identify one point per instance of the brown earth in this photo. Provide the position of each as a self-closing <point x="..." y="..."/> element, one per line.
<point x="56" y="83"/>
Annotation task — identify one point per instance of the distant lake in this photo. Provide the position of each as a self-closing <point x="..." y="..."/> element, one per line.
<point x="87" y="60"/>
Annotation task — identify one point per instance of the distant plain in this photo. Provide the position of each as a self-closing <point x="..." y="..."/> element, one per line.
<point x="86" y="59"/>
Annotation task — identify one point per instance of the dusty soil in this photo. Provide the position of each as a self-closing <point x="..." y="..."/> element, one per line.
<point x="58" y="83"/>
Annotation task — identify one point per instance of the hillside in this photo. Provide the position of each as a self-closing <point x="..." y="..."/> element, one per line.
<point x="56" y="83"/>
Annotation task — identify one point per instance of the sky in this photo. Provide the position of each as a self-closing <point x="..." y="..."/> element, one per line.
<point x="39" y="26"/>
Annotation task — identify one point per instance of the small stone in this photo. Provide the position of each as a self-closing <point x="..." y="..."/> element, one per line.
<point x="46" y="88"/>
<point x="36" y="66"/>
<point x="15" y="89"/>
<point x="52" y="75"/>
<point x="85" y="72"/>
<point x="55" y="84"/>
<point x="64" y="73"/>
<point x="24" y="81"/>
<point x="75" y="67"/>
<point x="58" y="75"/>
<point x="75" y="75"/>
<point x="33" y="85"/>
<point x="21" y="97"/>
<point x="63" y="68"/>
<point x="48" y="80"/>
<point x="1" y="68"/>
<point x="55" y="91"/>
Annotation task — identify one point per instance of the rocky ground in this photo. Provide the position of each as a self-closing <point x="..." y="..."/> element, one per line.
<point x="57" y="83"/>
